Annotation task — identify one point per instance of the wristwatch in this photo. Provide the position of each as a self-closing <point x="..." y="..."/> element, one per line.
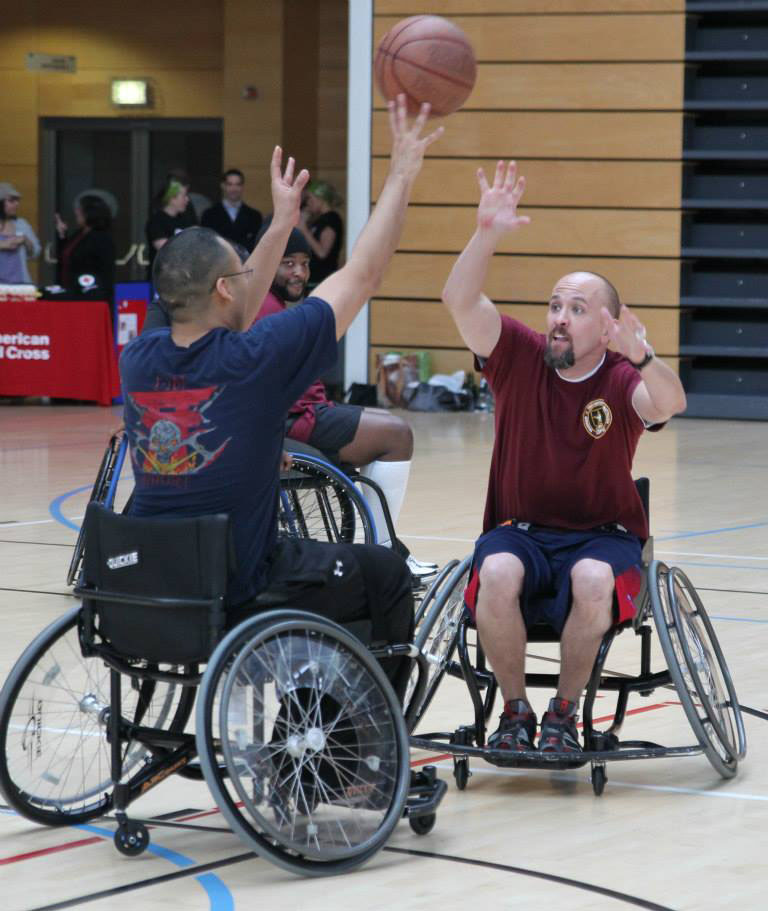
<point x="650" y="354"/>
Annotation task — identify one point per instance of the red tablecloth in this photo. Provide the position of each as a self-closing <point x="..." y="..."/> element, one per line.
<point x="63" y="349"/>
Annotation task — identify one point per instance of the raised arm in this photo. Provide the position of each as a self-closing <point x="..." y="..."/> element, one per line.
<point x="476" y="318"/>
<point x="286" y="202"/>
<point x="349" y="288"/>
<point x="660" y="393"/>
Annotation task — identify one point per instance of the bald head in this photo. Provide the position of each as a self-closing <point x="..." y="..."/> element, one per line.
<point x="593" y="282"/>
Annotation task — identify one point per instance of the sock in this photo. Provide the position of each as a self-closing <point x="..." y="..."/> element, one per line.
<point x="392" y="478"/>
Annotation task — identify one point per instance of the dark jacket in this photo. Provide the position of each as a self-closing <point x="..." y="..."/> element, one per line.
<point x="242" y="230"/>
<point x="87" y="253"/>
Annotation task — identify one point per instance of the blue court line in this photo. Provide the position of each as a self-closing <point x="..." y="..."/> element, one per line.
<point x="219" y="896"/>
<point x="712" y="531"/>
<point x="736" y="619"/>
<point x="55" y="507"/>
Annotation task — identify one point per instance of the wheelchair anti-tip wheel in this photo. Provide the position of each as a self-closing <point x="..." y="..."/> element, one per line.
<point x="322" y="503"/>
<point x="54" y="708"/>
<point x="698" y="668"/>
<point x="314" y="753"/>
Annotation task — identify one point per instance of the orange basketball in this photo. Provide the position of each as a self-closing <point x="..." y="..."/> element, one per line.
<point x="429" y="59"/>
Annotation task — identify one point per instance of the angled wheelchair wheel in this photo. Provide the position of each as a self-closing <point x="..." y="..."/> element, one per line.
<point x="435" y="589"/>
<point x="698" y="668"/>
<point x="54" y="754"/>
<point x="320" y="502"/>
<point x="437" y="633"/>
<point x="103" y="492"/>
<point x="311" y="769"/>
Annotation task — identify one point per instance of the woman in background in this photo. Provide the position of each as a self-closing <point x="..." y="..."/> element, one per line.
<point x="169" y="219"/>
<point x="323" y="228"/>
<point x="17" y="239"/>
<point x="86" y="258"/>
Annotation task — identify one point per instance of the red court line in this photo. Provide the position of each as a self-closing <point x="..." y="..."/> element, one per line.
<point x="56" y="848"/>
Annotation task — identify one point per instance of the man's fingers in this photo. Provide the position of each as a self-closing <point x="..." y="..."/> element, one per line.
<point x="288" y="176"/>
<point x="482" y="181"/>
<point x="433" y="136"/>
<point x="509" y="180"/>
<point x="519" y="189"/>
<point x="274" y="167"/>
<point x="392" y="120"/>
<point x="498" y="177"/>
<point x="302" y="179"/>
<point x="402" y="114"/>
<point x="421" y="118"/>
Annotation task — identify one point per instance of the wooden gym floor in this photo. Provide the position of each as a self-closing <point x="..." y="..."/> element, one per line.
<point x="665" y="834"/>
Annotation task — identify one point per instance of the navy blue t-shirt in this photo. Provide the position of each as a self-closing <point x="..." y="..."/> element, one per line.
<point x="205" y="423"/>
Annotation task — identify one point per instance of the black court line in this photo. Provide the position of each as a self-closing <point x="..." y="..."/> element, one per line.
<point x="732" y="591"/>
<point x="549" y="877"/>
<point x="39" y="543"/>
<point x="35" y="591"/>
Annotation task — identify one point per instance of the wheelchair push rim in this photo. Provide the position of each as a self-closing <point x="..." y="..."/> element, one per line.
<point x="698" y="668"/>
<point x="314" y="770"/>
<point x="54" y="754"/>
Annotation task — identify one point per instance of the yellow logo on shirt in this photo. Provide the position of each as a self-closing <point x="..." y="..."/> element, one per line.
<point x="597" y="418"/>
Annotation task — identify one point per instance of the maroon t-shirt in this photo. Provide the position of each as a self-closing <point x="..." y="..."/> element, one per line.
<point x="304" y="408"/>
<point x="563" y="451"/>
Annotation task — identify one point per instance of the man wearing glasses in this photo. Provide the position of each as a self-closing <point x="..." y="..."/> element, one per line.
<point x="206" y="399"/>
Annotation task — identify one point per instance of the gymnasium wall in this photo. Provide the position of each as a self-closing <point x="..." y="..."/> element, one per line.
<point x="198" y="57"/>
<point x="587" y="96"/>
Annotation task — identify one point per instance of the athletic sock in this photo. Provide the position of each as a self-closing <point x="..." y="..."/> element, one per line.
<point x="392" y="478"/>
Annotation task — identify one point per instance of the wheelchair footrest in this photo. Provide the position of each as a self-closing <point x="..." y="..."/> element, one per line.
<point x="425" y="793"/>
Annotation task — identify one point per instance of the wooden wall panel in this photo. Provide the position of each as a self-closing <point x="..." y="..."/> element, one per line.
<point x="522" y="38"/>
<point x="457" y="7"/>
<point x="430" y="324"/>
<point x="545" y="134"/>
<point x="421" y="276"/>
<point x="562" y="232"/>
<point x="584" y="184"/>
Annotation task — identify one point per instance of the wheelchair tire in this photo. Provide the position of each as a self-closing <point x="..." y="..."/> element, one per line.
<point x="437" y="633"/>
<point x="433" y="591"/>
<point x="311" y="769"/>
<point x="697" y="667"/>
<point x="320" y="502"/>
<point x="53" y="711"/>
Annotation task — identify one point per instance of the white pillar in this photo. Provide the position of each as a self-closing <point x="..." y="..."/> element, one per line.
<point x="359" y="115"/>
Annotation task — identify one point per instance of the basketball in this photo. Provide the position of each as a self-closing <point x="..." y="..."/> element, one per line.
<point x="427" y="58"/>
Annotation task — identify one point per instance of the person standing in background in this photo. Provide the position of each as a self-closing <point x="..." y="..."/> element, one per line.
<point x="231" y="217"/>
<point x="169" y="219"/>
<point x="323" y="229"/>
<point x="18" y="241"/>
<point x="86" y="259"/>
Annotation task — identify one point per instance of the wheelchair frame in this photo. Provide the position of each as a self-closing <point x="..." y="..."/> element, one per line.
<point x="696" y="670"/>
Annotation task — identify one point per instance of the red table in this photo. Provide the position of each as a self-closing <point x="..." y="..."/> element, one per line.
<point x="63" y="349"/>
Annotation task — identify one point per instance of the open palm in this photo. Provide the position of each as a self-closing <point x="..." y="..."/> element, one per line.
<point x="498" y="203"/>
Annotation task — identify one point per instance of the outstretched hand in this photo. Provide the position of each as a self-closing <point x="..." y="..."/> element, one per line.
<point x="408" y="145"/>
<point x="627" y="334"/>
<point x="497" y="209"/>
<point x="286" y="191"/>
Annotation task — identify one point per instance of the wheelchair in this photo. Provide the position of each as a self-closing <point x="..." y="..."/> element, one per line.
<point x="695" y="668"/>
<point x="296" y="729"/>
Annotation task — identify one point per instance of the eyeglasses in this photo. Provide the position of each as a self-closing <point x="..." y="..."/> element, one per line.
<point x="230" y="275"/>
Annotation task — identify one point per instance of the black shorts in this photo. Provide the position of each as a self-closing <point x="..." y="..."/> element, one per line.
<point x="362" y="586"/>
<point x="335" y="427"/>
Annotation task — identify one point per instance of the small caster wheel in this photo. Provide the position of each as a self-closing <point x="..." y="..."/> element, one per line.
<point x="598" y="779"/>
<point x="132" y="839"/>
<point x="461" y="773"/>
<point x="423" y="825"/>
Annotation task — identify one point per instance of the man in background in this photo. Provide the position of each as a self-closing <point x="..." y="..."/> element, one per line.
<point x="232" y="218"/>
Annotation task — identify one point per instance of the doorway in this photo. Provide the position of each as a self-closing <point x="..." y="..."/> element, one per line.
<point x="125" y="161"/>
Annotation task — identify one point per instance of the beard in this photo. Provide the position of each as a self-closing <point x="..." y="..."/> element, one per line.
<point x="290" y="293"/>
<point x="561" y="361"/>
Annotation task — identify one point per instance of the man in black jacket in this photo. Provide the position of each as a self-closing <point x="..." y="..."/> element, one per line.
<point x="232" y="218"/>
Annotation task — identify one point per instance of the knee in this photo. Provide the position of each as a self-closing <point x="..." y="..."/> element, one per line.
<point x="501" y="583"/>
<point x="592" y="587"/>
<point x="400" y="439"/>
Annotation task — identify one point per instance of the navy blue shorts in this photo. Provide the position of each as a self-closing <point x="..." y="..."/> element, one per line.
<point x="548" y="555"/>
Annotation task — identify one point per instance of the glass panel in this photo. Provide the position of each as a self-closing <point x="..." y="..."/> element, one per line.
<point x="193" y="153"/>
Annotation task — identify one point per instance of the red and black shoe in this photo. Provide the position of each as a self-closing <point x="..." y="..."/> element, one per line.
<point x="517" y="727"/>
<point x="559" y="733"/>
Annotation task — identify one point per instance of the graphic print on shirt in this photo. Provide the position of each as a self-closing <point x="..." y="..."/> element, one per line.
<point x="166" y="427"/>
<point x="597" y="418"/>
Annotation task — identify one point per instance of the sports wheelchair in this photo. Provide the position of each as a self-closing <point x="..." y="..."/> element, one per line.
<point x="696" y="669"/>
<point x="297" y="731"/>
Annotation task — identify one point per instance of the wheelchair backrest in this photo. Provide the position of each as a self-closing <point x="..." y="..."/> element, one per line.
<point x="156" y="586"/>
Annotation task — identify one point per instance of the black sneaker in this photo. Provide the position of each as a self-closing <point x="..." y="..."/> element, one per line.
<point x="517" y="727"/>
<point x="559" y="733"/>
